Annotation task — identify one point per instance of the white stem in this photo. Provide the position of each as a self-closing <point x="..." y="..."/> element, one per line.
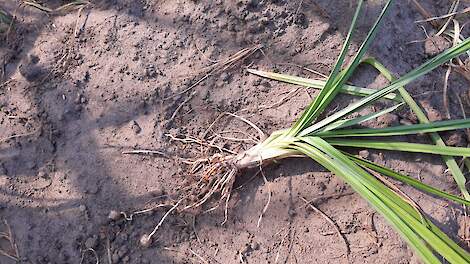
<point x="261" y="154"/>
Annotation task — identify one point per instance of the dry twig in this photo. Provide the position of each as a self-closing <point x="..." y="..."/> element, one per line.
<point x="8" y="235"/>
<point x="265" y="208"/>
<point x="329" y="220"/>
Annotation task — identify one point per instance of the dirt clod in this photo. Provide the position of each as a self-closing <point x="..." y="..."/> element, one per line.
<point x="135" y="127"/>
<point x="435" y="45"/>
<point x="387" y="120"/>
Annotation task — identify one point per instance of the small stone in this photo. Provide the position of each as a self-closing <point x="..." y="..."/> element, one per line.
<point x="82" y="208"/>
<point x="114" y="215"/>
<point x="364" y="154"/>
<point x="135" y="127"/>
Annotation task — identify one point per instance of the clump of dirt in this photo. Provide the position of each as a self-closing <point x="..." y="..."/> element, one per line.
<point x="80" y="88"/>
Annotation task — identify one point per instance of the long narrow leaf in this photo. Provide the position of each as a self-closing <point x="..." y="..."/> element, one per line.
<point x="409" y="214"/>
<point x="450" y="161"/>
<point x="405" y="218"/>
<point x="314" y="109"/>
<point x="398" y="130"/>
<point x="358" y="120"/>
<point x="406" y="179"/>
<point x="402" y="146"/>
<point x="348" y="175"/>
<point x="423" y="69"/>
<point x="319" y="84"/>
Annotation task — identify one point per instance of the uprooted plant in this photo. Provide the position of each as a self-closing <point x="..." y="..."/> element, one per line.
<point x="318" y="139"/>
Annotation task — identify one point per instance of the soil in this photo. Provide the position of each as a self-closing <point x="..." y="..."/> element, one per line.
<point x="83" y="87"/>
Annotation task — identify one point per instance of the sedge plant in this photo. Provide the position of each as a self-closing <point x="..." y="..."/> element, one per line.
<point x="321" y="140"/>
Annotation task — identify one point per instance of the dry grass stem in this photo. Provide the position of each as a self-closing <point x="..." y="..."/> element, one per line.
<point x="265" y="208"/>
<point x="445" y="95"/>
<point x="12" y="253"/>
<point x="282" y="100"/>
<point x="198" y="256"/>
<point x="332" y="223"/>
<point x="130" y="216"/>
<point x="97" y="259"/>
<point x="144" y="152"/>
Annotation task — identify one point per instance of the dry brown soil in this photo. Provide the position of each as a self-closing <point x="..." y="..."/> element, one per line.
<point x="84" y="87"/>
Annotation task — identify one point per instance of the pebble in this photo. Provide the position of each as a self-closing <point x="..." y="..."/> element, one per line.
<point x="82" y="208"/>
<point x="114" y="215"/>
<point x="364" y="154"/>
<point x="135" y="127"/>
